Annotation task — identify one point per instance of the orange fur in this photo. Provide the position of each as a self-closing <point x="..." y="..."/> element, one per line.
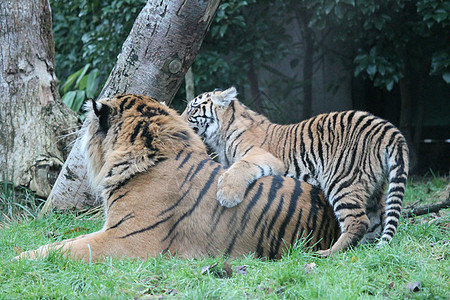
<point x="159" y="190"/>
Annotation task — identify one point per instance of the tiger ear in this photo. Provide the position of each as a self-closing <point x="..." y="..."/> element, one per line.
<point x="102" y="111"/>
<point x="97" y="107"/>
<point x="224" y="98"/>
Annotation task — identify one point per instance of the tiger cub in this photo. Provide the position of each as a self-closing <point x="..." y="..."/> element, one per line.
<point x="350" y="155"/>
<point x="158" y="185"/>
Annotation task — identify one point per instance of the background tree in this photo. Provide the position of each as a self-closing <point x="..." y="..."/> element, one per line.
<point x="32" y="119"/>
<point x="274" y="52"/>
<point x="157" y="53"/>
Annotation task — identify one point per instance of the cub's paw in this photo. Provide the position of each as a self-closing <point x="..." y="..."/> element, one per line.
<point x="230" y="190"/>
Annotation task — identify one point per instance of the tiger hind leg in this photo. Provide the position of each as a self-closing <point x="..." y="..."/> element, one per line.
<point x="375" y="209"/>
<point x="353" y="220"/>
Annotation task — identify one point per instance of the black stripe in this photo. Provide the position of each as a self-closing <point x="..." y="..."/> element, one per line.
<point x="127" y="217"/>
<point x="118" y="185"/>
<point x="179" y="155"/>
<point x="176" y="203"/>
<point x="294" y="154"/>
<point x="313" y="212"/>
<point x="393" y="223"/>
<point x="117" y="198"/>
<point x="296" y="193"/>
<point x="347" y="206"/>
<point x="259" y="248"/>
<point x="399" y="189"/>
<point x="246" y="151"/>
<point x="266" y="134"/>
<point x="136" y="131"/>
<point x="277" y="183"/>
<point x="203" y="192"/>
<point x="275" y="216"/>
<point x="188" y="156"/>
<point x="170" y="243"/>
<point x="297" y="227"/>
<point x="199" y="167"/>
<point x="233" y="111"/>
<point x="252" y="203"/>
<point x="153" y="226"/>
<point x="130" y="104"/>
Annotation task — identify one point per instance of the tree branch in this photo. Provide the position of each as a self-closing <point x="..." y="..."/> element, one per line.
<point x="426" y="209"/>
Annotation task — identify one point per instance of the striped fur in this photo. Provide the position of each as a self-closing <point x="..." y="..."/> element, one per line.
<point x="352" y="156"/>
<point x="159" y="190"/>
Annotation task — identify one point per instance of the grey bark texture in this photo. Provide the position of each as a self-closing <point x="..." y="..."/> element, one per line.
<point x="33" y="120"/>
<point x="189" y="84"/>
<point x="160" y="48"/>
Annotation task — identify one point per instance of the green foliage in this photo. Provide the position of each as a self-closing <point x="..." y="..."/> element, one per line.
<point x="392" y="37"/>
<point x="243" y="35"/>
<point x="91" y="32"/>
<point x="377" y="40"/>
<point x="79" y="87"/>
<point x="419" y="252"/>
<point x="16" y="202"/>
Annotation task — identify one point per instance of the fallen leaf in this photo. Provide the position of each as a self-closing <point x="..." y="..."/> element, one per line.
<point x="414" y="286"/>
<point x="76" y="229"/>
<point x="309" y="268"/>
<point x="354" y="259"/>
<point x="262" y="287"/>
<point x="207" y="268"/>
<point x="241" y="270"/>
<point x="52" y="235"/>
<point x="227" y="270"/>
<point x="17" y="249"/>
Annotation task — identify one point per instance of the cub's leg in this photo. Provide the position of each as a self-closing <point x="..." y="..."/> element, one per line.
<point x="234" y="182"/>
<point x="86" y="247"/>
<point x="375" y="209"/>
<point x="350" y="210"/>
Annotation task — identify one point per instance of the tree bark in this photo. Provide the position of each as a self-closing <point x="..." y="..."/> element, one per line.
<point x="32" y="117"/>
<point x="161" y="47"/>
<point x="308" y="64"/>
<point x="254" y="89"/>
<point x="190" y="85"/>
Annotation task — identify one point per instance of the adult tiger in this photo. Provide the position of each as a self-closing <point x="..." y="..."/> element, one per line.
<point x="350" y="155"/>
<point x="159" y="190"/>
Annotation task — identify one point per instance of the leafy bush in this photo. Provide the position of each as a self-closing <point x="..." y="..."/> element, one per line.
<point x="79" y="87"/>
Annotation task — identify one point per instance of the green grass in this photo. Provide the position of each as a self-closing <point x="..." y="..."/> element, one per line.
<point x="418" y="253"/>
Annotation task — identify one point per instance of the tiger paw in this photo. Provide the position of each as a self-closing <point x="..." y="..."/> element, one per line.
<point x="324" y="253"/>
<point x="32" y="254"/>
<point x="230" y="190"/>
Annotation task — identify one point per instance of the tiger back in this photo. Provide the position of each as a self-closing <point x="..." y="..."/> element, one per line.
<point x="159" y="190"/>
<point x="352" y="156"/>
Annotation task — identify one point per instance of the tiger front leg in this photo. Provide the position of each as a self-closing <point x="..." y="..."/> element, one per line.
<point x="233" y="184"/>
<point x="87" y="247"/>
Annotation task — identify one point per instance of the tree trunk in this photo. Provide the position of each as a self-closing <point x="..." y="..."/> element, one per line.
<point x="161" y="47"/>
<point x="32" y="117"/>
<point x="190" y="85"/>
<point x="308" y="63"/>
<point x="405" y="118"/>
<point x="254" y="89"/>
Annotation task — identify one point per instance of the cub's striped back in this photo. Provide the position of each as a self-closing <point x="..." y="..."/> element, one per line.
<point x="352" y="156"/>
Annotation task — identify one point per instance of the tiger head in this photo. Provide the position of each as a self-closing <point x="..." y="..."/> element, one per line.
<point x="204" y="113"/>
<point x="127" y="134"/>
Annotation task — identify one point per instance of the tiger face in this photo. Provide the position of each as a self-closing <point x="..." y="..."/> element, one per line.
<point x="203" y="113"/>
